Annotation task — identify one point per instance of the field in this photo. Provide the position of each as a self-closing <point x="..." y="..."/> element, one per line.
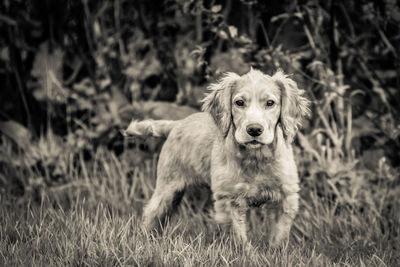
<point x="94" y="220"/>
<point x="74" y="73"/>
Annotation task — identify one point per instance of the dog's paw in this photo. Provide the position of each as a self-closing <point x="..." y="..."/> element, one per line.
<point x="279" y="238"/>
<point x="221" y="217"/>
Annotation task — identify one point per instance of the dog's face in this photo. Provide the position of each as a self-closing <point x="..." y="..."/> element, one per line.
<point x="253" y="104"/>
<point x="255" y="107"/>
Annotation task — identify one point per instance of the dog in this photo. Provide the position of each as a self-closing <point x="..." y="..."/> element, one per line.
<point x="240" y="145"/>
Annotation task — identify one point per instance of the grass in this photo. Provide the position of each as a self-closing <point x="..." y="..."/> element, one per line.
<point x="93" y="219"/>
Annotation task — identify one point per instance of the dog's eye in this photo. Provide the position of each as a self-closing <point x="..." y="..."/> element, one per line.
<point x="239" y="103"/>
<point x="270" y="103"/>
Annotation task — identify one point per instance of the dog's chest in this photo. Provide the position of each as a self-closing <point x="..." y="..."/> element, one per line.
<point x="262" y="188"/>
<point x="262" y="177"/>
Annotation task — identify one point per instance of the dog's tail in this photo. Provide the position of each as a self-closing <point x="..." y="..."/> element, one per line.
<point x="157" y="128"/>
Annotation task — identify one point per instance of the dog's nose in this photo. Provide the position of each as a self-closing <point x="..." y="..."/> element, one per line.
<point x="254" y="129"/>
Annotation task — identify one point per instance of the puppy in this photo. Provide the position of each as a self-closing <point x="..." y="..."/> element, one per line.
<point x="240" y="145"/>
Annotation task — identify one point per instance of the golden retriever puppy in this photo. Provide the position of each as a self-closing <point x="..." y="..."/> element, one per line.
<point x="240" y="145"/>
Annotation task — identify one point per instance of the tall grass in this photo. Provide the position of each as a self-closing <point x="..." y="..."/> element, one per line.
<point x="93" y="219"/>
<point x="65" y="202"/>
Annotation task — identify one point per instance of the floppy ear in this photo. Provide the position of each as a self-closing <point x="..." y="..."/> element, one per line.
<point x="294" y="106"/>
<point x="218" y="101"/>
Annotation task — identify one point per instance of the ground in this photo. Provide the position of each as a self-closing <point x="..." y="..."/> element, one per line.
<point x="94" y="220"/>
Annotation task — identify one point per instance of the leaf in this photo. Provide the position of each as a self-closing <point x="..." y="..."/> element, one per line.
<point x="4" y="54"/>
<point x="305" y="144"/>
<point x="85" y="86"/>
<point x="233" y="31"/>
<point x="382" y="95"/>
<point x="216" y="8"/>
<point x="16" y="132"/>
<point x="47" y="69"/>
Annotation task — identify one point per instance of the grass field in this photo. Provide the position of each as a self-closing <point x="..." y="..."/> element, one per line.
<point x="74" y="73"/>
<point x="92" y="218"/>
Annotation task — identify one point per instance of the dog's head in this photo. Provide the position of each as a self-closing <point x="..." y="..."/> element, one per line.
<point x="253" y="105"/>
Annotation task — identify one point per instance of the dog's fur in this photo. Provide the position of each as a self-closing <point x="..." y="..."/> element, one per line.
<point x="215" y="147"/>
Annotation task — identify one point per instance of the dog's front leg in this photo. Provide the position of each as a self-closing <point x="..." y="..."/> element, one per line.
<point x="232" y="209"/>
<point x="290" y="205"/>
<point x="239" y="222"/>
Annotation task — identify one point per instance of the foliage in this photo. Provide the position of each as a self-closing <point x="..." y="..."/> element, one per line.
<point x="75" y="72"/>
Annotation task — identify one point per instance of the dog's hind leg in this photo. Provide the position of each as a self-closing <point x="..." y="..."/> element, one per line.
<point x="165" y="199"/>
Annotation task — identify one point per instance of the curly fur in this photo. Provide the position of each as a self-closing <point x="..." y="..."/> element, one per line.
<point x="216" y="147"/>
<point x="294" y="105"/>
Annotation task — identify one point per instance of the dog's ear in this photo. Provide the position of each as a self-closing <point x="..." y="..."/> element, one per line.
<point x="294" y="106"/>
<point x="218" y="101"/>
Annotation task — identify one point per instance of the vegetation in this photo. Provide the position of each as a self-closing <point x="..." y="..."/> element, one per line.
<point x="75" y="72"/>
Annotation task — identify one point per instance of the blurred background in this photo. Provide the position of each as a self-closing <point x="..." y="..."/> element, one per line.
<point x="73" y="73"/>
